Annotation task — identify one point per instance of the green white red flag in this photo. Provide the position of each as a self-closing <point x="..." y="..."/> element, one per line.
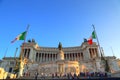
<point x="93" y="36"/>
<point x="19" y="37"/>
<point x="90" y="41"/>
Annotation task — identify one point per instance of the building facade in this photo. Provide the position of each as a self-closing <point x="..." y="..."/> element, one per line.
<point x="60" y="60"/>
<point x="51" y="60"/>
<point x="8" y="63"/>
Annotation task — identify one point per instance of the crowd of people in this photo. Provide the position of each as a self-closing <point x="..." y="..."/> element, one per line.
<point x="71" y="75"/>
<point x="83" y="75"/>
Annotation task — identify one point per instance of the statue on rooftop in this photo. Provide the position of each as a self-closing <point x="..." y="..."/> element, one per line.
<point x="60" y="46"/>
<point x="33" y="40"/>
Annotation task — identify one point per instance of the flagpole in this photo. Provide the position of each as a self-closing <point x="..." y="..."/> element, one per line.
<point x="102" y="51"/>
<point x="112" y="51"/>
<point x="15" y="53"/>
<point x="97" y="41"/>
<point x="24" y="41"/>
<point x="6" y="52"/>
<point x="102" y="58"/>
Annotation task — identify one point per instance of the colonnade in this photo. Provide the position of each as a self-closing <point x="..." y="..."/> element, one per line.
<point x="42" y="57"/>
<point x="26" y="53"/>
<point x="93" y="52"/>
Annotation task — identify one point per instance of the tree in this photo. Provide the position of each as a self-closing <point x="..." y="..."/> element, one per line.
<point x="107" y="68"/>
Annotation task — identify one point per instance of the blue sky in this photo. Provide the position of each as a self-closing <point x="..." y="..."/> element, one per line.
<point x="65" y="21"/>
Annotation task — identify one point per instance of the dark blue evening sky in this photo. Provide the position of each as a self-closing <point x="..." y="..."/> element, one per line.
<point x="65" y="21"/>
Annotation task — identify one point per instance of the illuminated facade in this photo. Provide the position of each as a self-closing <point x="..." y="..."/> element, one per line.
<point x="60" y="60"/>
<point x="50" y="60"/>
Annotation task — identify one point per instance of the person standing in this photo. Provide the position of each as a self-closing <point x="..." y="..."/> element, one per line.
<point x="36" y="75"/>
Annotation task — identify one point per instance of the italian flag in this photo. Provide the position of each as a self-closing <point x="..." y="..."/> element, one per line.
<point x="93" y="36"/>
<point x="19" y="37"/>
<point x="90" y="41"/>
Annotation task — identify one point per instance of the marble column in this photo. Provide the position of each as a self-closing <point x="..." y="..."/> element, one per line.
<point x="47" y="56"/>
<point x="51" y="57"/>
<point x="43" y="57"/>
<point x="78" y="56"/>
<point x="75" y="56"/>
<point x="90" y="52"/>
<point x="72" y="55"/>
<point x="26" y="53"/>
<point x="55" y="56"/>
<point x="94" y="53"/>
<point x="69" y="56"/>
<point x="36" y="57"/>
<point x="39" y="56"/>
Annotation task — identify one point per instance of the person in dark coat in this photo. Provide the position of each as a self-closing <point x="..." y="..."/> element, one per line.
<point x="36" y="75"/>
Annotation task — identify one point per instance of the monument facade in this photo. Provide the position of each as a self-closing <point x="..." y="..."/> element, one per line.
<point x="60" y="60"/>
